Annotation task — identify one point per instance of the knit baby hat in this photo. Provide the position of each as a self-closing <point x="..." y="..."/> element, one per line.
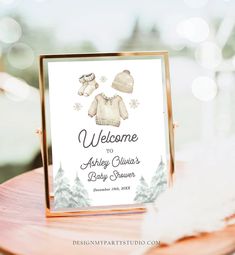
<point x="123" y="82"/>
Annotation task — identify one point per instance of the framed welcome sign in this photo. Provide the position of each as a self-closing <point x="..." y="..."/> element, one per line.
<point x="107" y="128"/>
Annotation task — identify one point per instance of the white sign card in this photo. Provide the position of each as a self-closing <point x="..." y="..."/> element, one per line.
<point x="109" y="131"/>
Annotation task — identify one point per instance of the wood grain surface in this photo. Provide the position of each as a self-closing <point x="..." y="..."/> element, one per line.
<point x="25" y="230"/>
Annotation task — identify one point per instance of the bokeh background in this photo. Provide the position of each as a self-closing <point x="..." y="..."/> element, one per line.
<point x="200" y="38"/>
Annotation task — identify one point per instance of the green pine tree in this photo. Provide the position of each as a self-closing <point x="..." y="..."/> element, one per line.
<point x="80" y="197"/>
<point x="142" y="192"/>
<point x="62" y="192"/>
<point x="158" y="183"/>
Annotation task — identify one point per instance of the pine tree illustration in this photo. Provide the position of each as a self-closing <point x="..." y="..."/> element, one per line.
<point x="80" y="197"/>
<point x="142" y="192"/>
<point x="158" y="183"/>
<point x="62" y="192"/>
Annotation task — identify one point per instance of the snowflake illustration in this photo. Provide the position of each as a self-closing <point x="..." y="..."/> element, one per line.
<point x="103" y="78"/>
<point x="134" y="103"/>
<point x="77" y="107"/>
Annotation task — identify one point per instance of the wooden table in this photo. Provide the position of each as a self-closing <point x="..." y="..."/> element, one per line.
<point x="25" y="230"/>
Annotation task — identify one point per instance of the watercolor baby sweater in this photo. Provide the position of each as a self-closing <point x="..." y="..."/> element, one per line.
<point x="108" y="110"/>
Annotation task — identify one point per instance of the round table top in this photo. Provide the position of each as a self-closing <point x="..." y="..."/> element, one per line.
<point x="25" y="230"/>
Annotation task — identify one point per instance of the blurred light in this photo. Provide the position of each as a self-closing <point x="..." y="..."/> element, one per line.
<point x="15" y="89"/>
<point x="196" y="3"/>
<point x="10" y="30"/>
<point x="226" y="80"/>
<point x="204" y="88"/>
<point x="7" y="1"/>
<point x="194" y="29"/>
<point x="20" y="56"/>
<point x="208" y="55"/>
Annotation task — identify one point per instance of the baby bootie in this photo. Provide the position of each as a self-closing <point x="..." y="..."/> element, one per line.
<point x="84" y="85"/>
<point x="92" y="84"/>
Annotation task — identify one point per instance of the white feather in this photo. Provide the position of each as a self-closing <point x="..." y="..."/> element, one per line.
<point x="199" y="201"/>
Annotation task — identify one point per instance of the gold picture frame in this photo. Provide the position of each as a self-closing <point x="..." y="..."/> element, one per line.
<point x="43" y="82"/>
